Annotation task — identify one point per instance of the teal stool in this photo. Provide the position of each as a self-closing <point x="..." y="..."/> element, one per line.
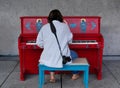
<point x="79" y="64"/>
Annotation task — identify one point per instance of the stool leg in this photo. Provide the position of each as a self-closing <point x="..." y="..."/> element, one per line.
<point x="61" y="79"/>
<point x="86" y="72"/>
<point x="41" y="78"/>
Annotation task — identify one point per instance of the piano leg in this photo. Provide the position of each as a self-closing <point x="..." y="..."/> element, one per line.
<point x="99" y="75"/>
<point x="22" y="70"/>
<point x="22" y="78"/>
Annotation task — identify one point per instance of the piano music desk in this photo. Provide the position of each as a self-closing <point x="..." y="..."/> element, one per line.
<point x="79" y="64"/>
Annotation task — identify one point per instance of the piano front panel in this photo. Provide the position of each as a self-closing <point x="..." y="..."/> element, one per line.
<point x="80" y="24"/>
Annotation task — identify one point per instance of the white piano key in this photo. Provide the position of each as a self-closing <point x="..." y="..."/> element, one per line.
<point x="31" y="44"/>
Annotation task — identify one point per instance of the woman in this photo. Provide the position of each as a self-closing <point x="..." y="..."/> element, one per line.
<point x="51" y="56"/>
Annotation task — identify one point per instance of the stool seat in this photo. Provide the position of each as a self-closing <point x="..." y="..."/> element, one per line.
<point x="79" y="64"/>
<point x="79" y="61"/>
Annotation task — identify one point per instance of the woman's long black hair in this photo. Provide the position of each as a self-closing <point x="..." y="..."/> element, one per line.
<point x="55" y="15"/>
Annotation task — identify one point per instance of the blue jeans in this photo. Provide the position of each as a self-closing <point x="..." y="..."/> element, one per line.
<point x="74" y="56"/>
<point x="73" y="72"/>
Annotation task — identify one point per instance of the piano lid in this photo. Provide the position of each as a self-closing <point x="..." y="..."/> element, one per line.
<point x="77" y="24"/>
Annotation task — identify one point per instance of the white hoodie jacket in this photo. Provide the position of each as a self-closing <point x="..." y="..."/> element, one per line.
<point x="51" y="54"/>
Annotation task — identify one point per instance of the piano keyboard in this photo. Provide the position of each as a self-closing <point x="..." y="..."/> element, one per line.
<point x="32" y="42"/>
<point x="84" y="42"/>
<point x="73" y="42"/>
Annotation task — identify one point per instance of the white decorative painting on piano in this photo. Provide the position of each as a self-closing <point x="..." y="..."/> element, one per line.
<point x="83" y="25"/>
<point x="38" y="24"/>
<point x="33" y="25"/>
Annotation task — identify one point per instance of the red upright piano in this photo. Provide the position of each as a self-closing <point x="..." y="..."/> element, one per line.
<point x="87" y="42"/>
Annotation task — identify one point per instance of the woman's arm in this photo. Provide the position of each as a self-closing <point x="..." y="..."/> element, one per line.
<point x="39" y="40"/>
